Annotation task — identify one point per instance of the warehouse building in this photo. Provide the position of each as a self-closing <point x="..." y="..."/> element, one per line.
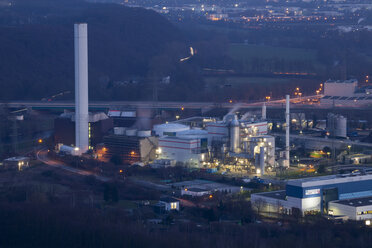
<point x="314" y="194"/>
<point x="346" y="93"/>
<point x="354" y="209"/>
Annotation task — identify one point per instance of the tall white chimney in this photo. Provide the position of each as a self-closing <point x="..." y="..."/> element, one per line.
<point x="287" y="130"/>
<point x="262" y="160"/>
<point x="81" y="87"/>
<point x="264" y="111"/>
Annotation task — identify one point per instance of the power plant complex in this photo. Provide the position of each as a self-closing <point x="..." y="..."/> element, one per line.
<point x="242" y="141"/>
<point x="247" y="144"/>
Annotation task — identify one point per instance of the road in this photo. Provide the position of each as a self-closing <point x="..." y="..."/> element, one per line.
<point x="150" y="185"/>
<point x="42" y="155"/>
<point x="325" y="140"/>
<point x="151" y="104"/>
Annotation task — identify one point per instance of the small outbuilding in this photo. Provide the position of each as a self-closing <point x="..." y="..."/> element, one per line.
<point x="18" y="163"/>
<point x="170" y="203"/>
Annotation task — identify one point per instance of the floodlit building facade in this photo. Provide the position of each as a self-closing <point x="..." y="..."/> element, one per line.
<point x="315" y="194"/>
<point x="354" y="209"/>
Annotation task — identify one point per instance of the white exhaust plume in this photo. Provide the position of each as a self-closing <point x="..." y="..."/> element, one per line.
<point x="232" y="111"/>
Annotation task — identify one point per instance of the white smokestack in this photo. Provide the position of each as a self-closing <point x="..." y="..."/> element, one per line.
<point x="264" y="111"/>
<point x="81" y="87"/>
<point x="287" y="130"/>
<point x="262" y="160"/>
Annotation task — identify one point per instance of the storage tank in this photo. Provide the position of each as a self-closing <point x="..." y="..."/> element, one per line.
<point x="144" y="133"/>
<point x="234" y="135"/>
<point x="341" y="126"/>
<point x="337" y="125"/>
<point x="74" y="151"/>
<point x="169" y="129"/>
<point x="131" y="132"/>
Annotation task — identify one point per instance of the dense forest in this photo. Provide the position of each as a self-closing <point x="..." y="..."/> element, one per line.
<point x="124" y="44"/>
<point x="46" y="225"/>
<point x="135" y="54"/>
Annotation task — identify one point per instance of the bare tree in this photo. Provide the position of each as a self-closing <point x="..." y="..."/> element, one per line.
<point x="259" y="205"/>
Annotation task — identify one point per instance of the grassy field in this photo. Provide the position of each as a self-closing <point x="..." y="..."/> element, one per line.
<point x="248" y="52"/>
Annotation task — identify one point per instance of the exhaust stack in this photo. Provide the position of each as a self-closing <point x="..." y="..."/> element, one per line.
<point x="264" y="111"/>
<point x="81" y="87"/>
<point x="262" y="160"/>
<point x="287" y="130"/>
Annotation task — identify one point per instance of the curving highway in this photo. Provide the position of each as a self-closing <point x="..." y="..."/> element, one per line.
<point x="42" y="155"/>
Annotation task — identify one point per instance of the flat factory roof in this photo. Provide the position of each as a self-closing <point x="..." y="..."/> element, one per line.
<point x="326" y="180"/>
<point x="16" y="159"/>
<point x="350" y="81"/>
<point x="280" y="194"/>
<point x="197" y="190"/>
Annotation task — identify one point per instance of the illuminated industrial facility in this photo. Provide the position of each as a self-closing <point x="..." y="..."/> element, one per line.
<point x="316" y="194"/>
<point x="229" y="142"/>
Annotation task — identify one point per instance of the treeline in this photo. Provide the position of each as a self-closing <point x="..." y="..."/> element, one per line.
<point x="45" y="225"/>
<point x="125" y="44"/>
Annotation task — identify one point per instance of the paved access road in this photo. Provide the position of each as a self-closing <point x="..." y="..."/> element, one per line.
<point x="42" y="155"/>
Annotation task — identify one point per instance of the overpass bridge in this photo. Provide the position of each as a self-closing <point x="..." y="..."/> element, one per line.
<point x="105" y="105"/>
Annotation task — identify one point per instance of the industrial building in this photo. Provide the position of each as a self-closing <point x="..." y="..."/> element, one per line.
<point x="195" y="192"/>
<point x="182" y="144"/>
<point x="232" y="141"/>
<point x="17" y="163"/>
<point x="354" y="209"/>
<point x="314" y="194"/>
<point x="340" y="87"/>
<point x="199" y="187"/>
<point x="64" y="128"/>
<point x="132" y="146"/>
<point x="187" y="150"/>
<point x="169" y="203"/>
<point x="346" y="93"/>
<point x="123" y="118"/>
